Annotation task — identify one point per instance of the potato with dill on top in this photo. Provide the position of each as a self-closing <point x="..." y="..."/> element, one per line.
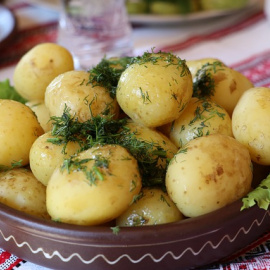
<point x="94" y="187"/>
<point x="221" y="84"/>
<point x="201" y="117"/>
<point x="38" y="67"/>
<point x="72" y="89"/>
<point x="152" y="207"/>
<point x="155" y="88"/>
<point x="19" y="128"/>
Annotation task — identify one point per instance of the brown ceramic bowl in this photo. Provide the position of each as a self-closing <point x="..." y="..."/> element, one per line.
<point x="183" y="245"/>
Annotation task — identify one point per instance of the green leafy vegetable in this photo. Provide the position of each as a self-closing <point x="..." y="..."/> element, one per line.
<point x="9" y="92"/>
<point x="259" y="196"/>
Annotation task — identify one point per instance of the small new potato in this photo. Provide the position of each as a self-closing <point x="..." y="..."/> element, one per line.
<point x="250" y="123"/>
<point x="201" y="117"/>
<point x="221" y="84"/>
<point x="19" y="128"/>
<point x="208" y="173"/>
<point x="155" y="89"/>
<point x="153" y="207"/>
<point x="20" y="190"/>
<point x="42" y="113"/>
<point x="95" y="187"/>
<point x="45" y="156"/>
<point x="38" y="67"/>
<point x="72" y="90"/>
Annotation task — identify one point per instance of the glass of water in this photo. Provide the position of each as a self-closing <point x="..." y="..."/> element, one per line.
<point x="93" y="29"/>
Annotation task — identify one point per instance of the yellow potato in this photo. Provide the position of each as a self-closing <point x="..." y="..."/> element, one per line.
<point x="71" y="89"/>
<point x="195" y="65"/>
<point x="42" y="113"/>
<point x="153" y="207"/>
<point x="250" y="123"/>
<point x="208" y="173"/>
<point x="155" y="89"/>
<point x="20" y="190"/>
<point x="45" y="156"/>
<point x="221" y="84"/>
<point x="19" y="128"/>
<point x="200" y="118"/>
<point x="95" y="187"/>
<point x="38" y="67"/>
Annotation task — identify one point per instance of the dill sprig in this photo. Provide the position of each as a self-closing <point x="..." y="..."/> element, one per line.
<point x="167" y="57"/>
<point x="107" y="73"/>
<point x="204" y="82"/>
<point x="106" y="130"/>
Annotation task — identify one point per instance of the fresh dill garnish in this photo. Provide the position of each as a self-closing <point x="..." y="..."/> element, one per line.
<point x="107" y="73"/>
<point x="203" y="82"/>
<point x="115" y="230"/>
<point x="163" y="199"/>
<point x="105" y="130"/>
<point x="13" y="165"/>
<point x="167" y="57"/>
<point x="145" y="96"/>
<point x="93" y="174"/>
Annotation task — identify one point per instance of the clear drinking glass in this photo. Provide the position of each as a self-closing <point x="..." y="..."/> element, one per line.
<point x="92" y="29"/>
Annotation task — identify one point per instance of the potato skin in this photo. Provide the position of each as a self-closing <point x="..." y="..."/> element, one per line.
<point x="208" y="173"/>
<point x="152" y="208"/>
<point x="42" y="113"/>
<point x="20" y="190"/>
<point x="19" y="129"/>
<point x="72" y="90"/>
<point x="45" y="156"/>
<point x="155" y="92"/>
<point x="38" y="67"/>
<point x="200" y="118"/>
<point x="250" y="123"/>
<point x="73" y="198"/>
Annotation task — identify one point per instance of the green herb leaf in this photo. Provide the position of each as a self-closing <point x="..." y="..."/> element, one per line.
<point x="115" y="230"/>
<point x="8" y="92"/>
<point x="259" y="196"/>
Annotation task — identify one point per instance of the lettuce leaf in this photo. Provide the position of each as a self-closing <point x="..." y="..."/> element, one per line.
<point x="9" y="92"/>
<point x="259" y="196"/>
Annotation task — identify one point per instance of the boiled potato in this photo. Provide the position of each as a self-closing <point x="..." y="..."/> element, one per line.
<point x="45" y="156"/>
<point x="95" y="187"/>
<point x="19" y="128"/>
<point x="155" y="89"/>
<point x="20" y="190"/>
<point x="153" y="207"/>
<point x="221" y="84"/>
<point x="38" y="67"/>
<point x="250" y="123"/>
<point x="195" y="65"/>
<point x="200" y="118"/>
<point x="208" y="173"/>
<point x="71" y="89"/>
<point x="42" y="113"/>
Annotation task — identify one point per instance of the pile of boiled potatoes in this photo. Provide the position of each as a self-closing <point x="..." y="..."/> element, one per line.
<point x="208" y="119"/>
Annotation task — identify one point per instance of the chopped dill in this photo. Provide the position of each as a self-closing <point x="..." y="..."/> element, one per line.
<point x="115" y="230"/>
<point x="204" y="82"/>
<point x="13" y="165"/>
<point x="107" y="73"/>
<point x="106" y="130"/>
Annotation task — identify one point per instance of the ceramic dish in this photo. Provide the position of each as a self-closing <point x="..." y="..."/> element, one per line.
<point x="7" y="25"/>
<point x="146" y="19"/>
<point x="182" y="245"/>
